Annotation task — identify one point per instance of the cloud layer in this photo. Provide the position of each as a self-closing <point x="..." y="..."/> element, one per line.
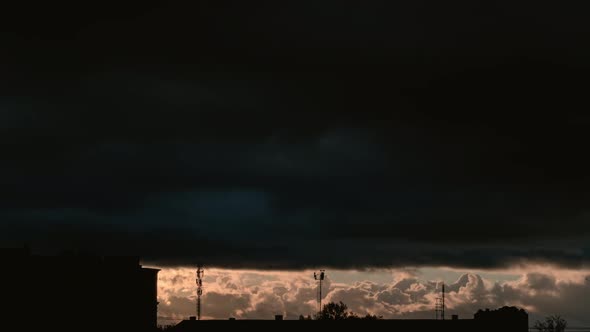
<point x="259" y="294"/>
<point x="242" y="136"/>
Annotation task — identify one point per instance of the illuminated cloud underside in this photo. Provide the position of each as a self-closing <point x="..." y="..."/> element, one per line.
<point x="541" y="290"/>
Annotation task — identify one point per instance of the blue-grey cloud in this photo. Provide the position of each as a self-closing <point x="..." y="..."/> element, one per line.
<point x="399" y="133"/>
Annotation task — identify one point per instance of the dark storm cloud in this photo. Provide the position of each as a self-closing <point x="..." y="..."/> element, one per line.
<point x="250" y="135"/>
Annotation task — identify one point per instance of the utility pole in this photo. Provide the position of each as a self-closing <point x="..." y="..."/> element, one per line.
<point x="200" y="274"/>
<point x="443" y="301"/>
<point x="320" y="277"/>
<point x="439" y="305"/>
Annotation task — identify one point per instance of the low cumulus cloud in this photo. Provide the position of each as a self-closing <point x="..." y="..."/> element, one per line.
<point x="238" y="294"/>
<point x="264" y="294"/>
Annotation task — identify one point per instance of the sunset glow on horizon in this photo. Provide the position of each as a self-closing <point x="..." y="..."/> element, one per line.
<point x="391" y="293"/>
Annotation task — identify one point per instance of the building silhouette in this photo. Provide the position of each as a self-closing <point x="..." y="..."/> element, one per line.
<point x="77" y="292"/>
<point x="506" y="319"/>
<point x="494" y="320"/>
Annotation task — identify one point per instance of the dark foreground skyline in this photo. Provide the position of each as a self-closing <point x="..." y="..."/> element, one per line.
<point x="120" y="292"/>
<point x="106" y="293"/>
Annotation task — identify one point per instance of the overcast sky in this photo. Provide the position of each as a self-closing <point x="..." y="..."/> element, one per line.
<point x="292" y="135"/>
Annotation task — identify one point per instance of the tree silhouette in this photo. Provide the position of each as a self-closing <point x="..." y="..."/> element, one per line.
<point x="339" y="311"/>
<point x="334" y="311"/>
<point x="551" y="324"/>
<point x="371" y="317"/>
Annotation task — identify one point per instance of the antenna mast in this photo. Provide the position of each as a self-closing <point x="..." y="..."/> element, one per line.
<point x="320" y="277"/>
<point x="439" y="306"/>
<point x="200" y="274"/>
<point x="443" y="301"/>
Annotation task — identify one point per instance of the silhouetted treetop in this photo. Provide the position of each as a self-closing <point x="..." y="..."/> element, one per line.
<point x="338" y="311"/>
<point x="553" y="323"/>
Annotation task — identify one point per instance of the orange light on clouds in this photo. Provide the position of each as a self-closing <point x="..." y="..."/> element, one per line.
<point x="391" y="293"/>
